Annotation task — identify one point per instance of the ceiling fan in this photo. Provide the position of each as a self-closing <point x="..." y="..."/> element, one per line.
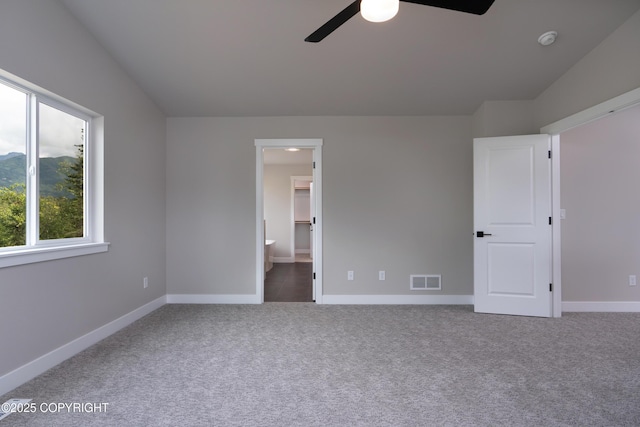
<point x="383" y="10"/>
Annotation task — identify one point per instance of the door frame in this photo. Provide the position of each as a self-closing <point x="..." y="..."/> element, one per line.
<point x="316" y="145"/>
<point x="293" y="220"/>
<point x="619" y="103"/>
<point x="293" y="226"/>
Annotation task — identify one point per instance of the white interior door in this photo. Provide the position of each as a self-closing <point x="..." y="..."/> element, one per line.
<point x="312" y="245"/>
<point x="312" y="209"/>
<point x="512" y="222"/>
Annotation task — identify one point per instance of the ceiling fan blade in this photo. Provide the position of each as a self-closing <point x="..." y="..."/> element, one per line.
<point x="331" y="25"/>
<point x="478" y="7"/>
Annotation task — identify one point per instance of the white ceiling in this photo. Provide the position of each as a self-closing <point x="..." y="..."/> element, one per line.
<point x="248" y="57"/>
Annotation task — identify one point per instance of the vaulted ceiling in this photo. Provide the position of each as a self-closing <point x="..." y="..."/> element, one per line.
<point x="249" y="58"/>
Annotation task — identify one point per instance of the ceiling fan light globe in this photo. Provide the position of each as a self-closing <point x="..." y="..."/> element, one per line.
<point x="379" y="10"/>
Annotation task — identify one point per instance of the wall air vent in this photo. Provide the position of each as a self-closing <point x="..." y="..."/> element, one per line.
<point x="426" y="282"/>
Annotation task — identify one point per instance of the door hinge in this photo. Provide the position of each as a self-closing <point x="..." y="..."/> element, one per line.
<point x="314" y="219"/>
<point x="550" y="221"/>
<point x="550" y="287"/>
<point x="549" y="153"/>
<point x="314" y="165"/>
<point x="314" y="276"/>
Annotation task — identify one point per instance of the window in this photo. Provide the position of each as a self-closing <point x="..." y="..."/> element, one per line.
<point x="49" y="188"/>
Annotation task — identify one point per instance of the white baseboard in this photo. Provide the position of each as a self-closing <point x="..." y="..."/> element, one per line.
<point x="303" y="251"/>
<point x="601" y="306"/>
<point x="399" y="299"/>
<point x="212" y="299"/>
<point x="284" y="259"/>
<point x="43" y="363"/>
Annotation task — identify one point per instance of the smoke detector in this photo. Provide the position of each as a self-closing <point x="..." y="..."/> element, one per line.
<point x="548" y="38"/>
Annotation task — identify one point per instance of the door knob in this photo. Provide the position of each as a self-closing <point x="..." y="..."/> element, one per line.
<point x="482" y="234"/>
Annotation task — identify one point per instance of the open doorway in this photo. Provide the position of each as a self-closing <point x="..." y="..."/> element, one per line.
<point x="288" y="220"/>
<point x="302" y="214"/>
<point x="598" y="182"/>
<point x="556" y="130"/>
<point x="287" y="183"/>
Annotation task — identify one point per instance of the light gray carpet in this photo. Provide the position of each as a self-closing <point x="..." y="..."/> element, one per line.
<point x="295" y="364"/>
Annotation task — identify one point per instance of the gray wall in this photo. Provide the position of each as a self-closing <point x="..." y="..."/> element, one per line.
<point x="601" y="237"/>
<point x="504" y="118"/>
<point x="46" y="305"/>
<point x="397" y="196"/>
<point x="277" y="204"/>
<point x="302" y="238"/>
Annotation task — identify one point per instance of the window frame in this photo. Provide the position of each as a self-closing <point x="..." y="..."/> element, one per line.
<point x="35" y="249"/>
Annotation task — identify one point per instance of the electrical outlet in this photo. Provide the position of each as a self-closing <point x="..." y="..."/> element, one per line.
<point x="381" y="275"/>
<point x="145" y="282"/>
<point x="632" y="280"/>
<point x="350" y="275"/>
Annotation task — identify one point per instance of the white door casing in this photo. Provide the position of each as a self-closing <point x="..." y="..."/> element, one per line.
<point x="312" y="209"/>
<point x="512" y="208"/>
<point x="316" y="145"/>
<point x="312" y="238"/>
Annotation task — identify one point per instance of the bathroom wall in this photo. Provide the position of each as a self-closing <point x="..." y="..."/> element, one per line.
<point x="277" y="206"/>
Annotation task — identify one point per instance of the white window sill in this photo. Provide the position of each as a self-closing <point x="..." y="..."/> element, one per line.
<point x="40" y="254"/>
